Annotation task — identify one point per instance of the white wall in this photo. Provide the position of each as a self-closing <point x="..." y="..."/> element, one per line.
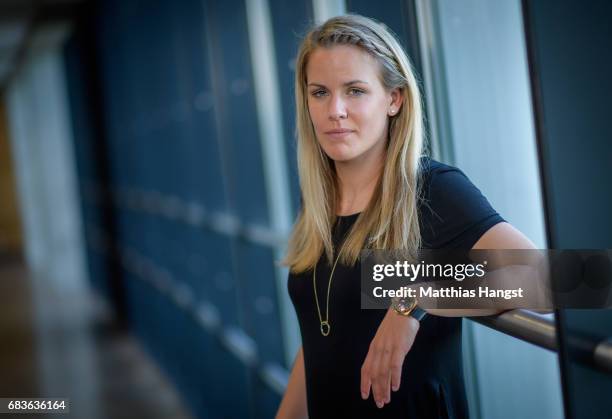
<point x="489" y="125"/>
<point x="43" y="155"/>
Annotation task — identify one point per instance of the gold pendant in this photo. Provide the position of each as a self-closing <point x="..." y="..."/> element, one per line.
<point x="325" y="328"/>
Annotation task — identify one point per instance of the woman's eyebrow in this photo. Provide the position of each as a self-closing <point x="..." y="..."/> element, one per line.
<point x="355" y="82"/>
<point x="348" y="83"/>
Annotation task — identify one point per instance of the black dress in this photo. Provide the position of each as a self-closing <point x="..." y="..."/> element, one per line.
<point x="454" y="215"/>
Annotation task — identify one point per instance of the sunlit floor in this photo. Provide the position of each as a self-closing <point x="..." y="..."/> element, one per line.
<point x="57" y="345"/>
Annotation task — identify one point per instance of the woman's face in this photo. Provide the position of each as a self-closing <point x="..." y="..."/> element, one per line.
<point x="348" y="105"/>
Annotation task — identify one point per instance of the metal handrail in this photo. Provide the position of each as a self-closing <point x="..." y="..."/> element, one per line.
<point x="538" y="329"/>
<point x="541" y="331"/>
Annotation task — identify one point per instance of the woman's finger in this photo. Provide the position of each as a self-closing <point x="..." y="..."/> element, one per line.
<point x="376" y="378"/>
<point x="385" y="374"/>
<point x="381" y="376"/>
<point x="388" y="389"/>
<point x="366" y="381"/>
<point x="397" y="362"/>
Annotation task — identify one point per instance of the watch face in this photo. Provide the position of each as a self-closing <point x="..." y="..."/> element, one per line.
<point x="410" y="301"/>
<point x="404" y="305"/>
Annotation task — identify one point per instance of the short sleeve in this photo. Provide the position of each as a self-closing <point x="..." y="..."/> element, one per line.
<point x="454" y="213"/>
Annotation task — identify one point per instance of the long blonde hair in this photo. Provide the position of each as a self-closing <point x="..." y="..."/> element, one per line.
<point x="390" y="220"/>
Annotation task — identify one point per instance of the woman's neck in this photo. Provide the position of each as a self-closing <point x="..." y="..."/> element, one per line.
<point x="356" y="184"/>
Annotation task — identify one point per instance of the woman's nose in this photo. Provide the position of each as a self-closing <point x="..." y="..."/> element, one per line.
<point x="337" y="108"/>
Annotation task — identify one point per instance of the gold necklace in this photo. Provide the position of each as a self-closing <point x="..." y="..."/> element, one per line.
<point x="325" y="326"/>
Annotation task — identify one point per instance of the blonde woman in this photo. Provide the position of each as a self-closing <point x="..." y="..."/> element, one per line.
<point x="366" y="184"/>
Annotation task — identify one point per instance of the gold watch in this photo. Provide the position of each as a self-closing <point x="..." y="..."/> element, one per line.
<point x="408" y="306"/>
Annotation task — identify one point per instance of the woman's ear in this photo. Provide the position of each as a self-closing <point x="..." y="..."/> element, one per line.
<point x="397" y="98"/>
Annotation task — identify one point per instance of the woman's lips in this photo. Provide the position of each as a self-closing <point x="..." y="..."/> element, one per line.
<point x="338" y="134"/>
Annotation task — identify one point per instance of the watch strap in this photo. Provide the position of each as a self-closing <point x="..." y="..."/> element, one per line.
<point x="418" y="313"/>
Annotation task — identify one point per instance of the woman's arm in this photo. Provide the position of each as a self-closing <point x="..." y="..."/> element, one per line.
<point x="500" y="236"/>
<point x="293" y="405"/>
<point x="381" y="370"/>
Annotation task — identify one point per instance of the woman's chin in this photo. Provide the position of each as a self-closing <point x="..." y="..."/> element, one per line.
<point x="339" y="154"/>
<point x="340" y="157"/>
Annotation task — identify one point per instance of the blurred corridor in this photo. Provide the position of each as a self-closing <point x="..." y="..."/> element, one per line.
<point x="58" y="345"/>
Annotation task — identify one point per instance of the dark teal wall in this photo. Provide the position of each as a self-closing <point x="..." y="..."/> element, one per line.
<point x="165" y="124"/>
<point x="571" y="64"/>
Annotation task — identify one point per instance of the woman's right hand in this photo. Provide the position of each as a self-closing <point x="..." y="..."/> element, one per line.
<point x="381" y="371"/>
<point x="293" y="405"/>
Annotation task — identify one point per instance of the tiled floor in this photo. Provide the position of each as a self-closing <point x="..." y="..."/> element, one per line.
<point x="57" y="345"/>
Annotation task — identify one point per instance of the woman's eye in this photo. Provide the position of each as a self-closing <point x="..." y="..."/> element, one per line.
<point x="318" y="93"/>
<point x="356" y="92"/>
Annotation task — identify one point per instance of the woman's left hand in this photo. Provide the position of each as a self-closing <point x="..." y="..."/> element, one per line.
<point x="382" y="368"/>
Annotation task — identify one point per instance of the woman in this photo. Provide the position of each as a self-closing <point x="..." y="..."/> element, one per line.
<point x="365" y="184"/>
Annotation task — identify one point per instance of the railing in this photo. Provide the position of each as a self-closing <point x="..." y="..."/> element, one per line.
<point x="591" y="351"/>
<point x="540" y="330"/>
